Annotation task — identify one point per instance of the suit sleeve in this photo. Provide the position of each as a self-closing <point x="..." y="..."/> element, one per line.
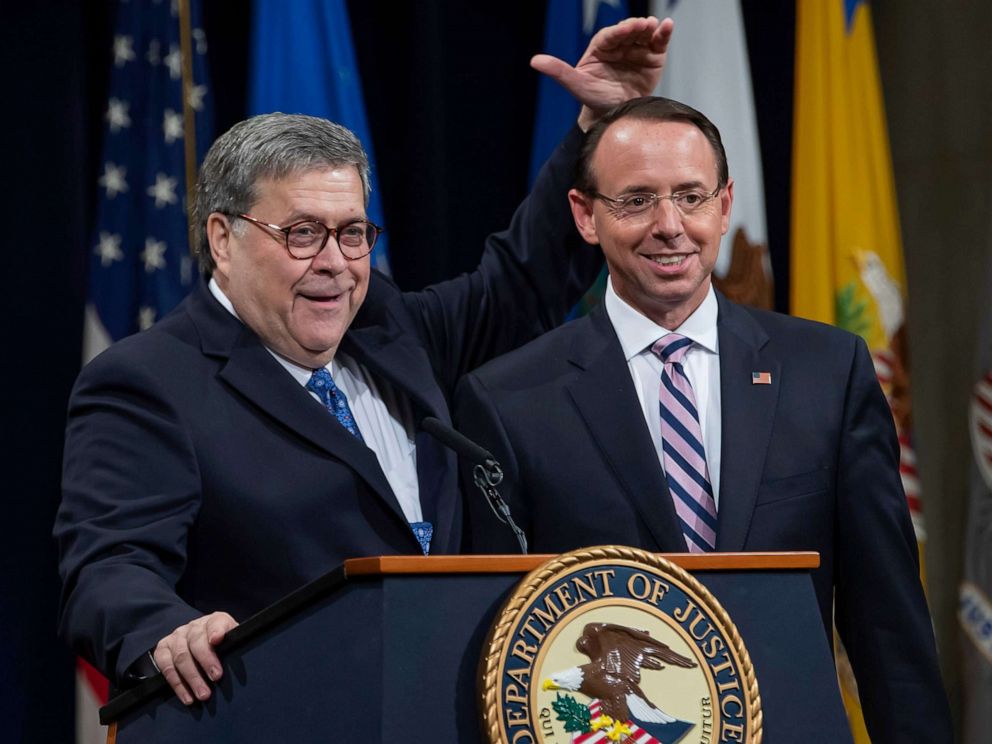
<point x="530" y="276"/>
<point x="130" y="496"/>
<point x="479" y="420"/>
<point x="880" y="609"/>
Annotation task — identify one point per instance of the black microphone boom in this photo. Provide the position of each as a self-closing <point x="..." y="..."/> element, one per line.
<point x="486" y="471"/>
<point x="457" y="441"/>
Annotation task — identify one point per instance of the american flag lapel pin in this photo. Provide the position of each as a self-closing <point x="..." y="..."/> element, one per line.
<point x="761" y="378"/>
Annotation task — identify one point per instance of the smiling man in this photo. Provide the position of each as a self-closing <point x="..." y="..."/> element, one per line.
<point x="673" y="420"/>
<point x="269" y="428"/>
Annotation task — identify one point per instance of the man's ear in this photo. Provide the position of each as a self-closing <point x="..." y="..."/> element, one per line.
<point x="582" y="213"/>
<point x="726" y="203"/>
<point x="219" y="235"/>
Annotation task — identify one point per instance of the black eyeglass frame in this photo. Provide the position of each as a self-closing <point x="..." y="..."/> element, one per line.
<point x="328" y="231"/>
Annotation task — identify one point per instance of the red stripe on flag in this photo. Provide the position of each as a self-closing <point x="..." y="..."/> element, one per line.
<point x="915" y="505"/>
<point x="982" y="401"/>
<point x="985" y="428"/>
<point x="907" y="467"/>
<point x="96" y="681"/>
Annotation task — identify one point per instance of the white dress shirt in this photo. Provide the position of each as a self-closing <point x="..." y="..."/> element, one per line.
<point x="638" y="334"/>
<point x="383" y="415"/>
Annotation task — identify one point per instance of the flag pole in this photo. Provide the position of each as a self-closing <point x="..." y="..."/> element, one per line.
<point x="189" y="121"/>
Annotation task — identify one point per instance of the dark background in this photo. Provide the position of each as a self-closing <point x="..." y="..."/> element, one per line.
<point x="450" y="99"/>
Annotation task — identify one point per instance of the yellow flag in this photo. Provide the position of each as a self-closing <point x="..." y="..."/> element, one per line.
<point x="846" y="260"/>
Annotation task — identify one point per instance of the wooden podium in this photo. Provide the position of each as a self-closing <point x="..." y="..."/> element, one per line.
<point x="387" y="649"/>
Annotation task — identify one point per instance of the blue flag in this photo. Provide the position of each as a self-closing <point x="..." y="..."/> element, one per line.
<point x="140" y="267"/>
<point x="303" y="62"/>
<point x="569" y="26"/>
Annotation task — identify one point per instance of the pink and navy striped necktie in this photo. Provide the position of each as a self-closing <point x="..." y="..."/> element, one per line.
<point x="683" y="456"/>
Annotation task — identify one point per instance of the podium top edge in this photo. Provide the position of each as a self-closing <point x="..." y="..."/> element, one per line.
<point x="455" y="564"/>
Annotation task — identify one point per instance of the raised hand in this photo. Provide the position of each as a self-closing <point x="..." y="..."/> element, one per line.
<point x="621" y="62"/>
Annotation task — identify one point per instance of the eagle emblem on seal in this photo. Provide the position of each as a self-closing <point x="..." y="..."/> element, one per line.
<point x="612" y="679"/>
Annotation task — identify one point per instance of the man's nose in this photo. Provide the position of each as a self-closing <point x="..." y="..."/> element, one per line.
<point x="330" y="258"/>
<point x="667" y="220"/>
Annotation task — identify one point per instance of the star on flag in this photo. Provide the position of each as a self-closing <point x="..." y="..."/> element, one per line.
<point x="154" y="55"/>
<point x="195" y="97"/>
<point x="109" y="248"/>
<point x="153" y="255"/>
<point x="113" y="179"/>
<point x="172" y="126"/>
<point x="123" y="50"/>
<point x="117" y="115"/>
<point x="200" y="39"/>
<point x="590" y="9"/>
<point x="146" y="317"/>
<point x="174" y="61"/>
<point x="163" y="190"/>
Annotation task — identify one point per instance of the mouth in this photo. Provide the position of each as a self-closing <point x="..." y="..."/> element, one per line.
<point x="325" y="298"/>
<point x="668" y="260"/>
<point x="669" y="263"/>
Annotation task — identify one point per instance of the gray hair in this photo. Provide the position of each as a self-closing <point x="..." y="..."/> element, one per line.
<point x="268" y="146"/>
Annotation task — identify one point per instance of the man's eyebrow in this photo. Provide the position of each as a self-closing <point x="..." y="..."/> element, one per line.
<point x="685" y="186"/>
<point x="642" y="189"/>
<point x="301" y="217"/>
<point x="637" y="189"/>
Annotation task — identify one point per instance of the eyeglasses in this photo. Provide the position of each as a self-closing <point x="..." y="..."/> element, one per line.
<point x="307" y="238"/>
<point x="686" y="202"/>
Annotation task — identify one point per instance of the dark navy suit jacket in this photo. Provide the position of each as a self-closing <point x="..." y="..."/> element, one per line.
<point x="199" y="476"/>
<point x="809" y="462"/>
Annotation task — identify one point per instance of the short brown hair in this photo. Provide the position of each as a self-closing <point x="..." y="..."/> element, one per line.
<point x="651" y="108"/>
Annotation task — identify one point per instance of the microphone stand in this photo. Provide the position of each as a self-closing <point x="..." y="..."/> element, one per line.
<point x="486" y="472"/>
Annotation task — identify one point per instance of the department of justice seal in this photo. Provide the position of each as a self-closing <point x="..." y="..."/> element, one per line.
<point x="614" y="644"/>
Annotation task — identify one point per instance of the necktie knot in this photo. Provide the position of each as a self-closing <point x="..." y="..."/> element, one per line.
<point x="672" y="348"/>
<point x="322" y="385"/>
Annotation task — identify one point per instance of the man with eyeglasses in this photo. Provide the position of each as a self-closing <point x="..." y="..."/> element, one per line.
<point x="269" y="428"/>
<point x="674" y="420"/>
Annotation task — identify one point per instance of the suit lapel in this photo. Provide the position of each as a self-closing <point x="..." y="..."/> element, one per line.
<point x="252" y="371"/>
<point x="604" y="394"/>
<point x="747" y="415"/>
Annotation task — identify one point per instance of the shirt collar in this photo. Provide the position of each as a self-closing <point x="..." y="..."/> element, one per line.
<point x="637" y="332"/>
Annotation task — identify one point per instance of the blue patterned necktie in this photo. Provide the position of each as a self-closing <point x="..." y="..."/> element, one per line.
<point x="682" y="445"/>
<point x="322" y="384"/>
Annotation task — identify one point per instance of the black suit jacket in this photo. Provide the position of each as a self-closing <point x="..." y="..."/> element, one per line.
<point x="200" y="476"/>
<point x="809" y="462"/>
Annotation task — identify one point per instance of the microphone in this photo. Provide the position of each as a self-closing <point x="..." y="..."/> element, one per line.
<point x="486" y="472"/>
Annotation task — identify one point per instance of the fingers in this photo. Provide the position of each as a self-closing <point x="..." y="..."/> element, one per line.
<point x="632" y="32"/>
<point x="550" y="66"/>
<point x="187" y="658"/>
<point x="622" y="62"/>
<point x="661" y="36"/>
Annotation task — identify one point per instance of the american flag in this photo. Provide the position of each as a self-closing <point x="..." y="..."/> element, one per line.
<point x="140" y="266"/>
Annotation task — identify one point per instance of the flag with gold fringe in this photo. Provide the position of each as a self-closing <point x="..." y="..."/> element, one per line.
<point x="846" y="251"/>
<point x="975" y="592"/>
<point x="157" y="126"/>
